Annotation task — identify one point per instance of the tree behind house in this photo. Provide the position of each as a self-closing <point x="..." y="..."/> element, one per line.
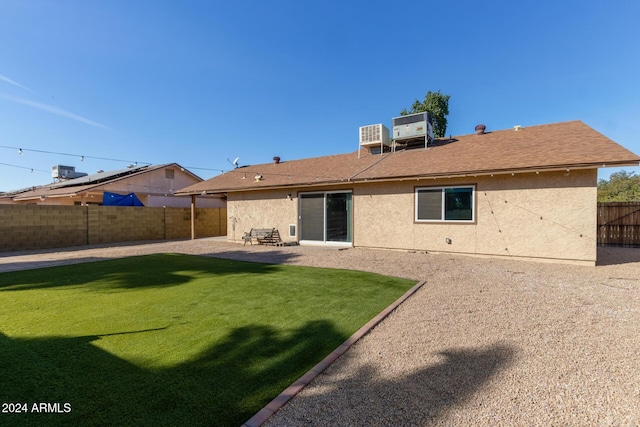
<point x="621" y="186"/>
<point x="436" y="104"/>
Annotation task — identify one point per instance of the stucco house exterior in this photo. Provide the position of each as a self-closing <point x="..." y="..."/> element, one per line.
<point x="526" y="192"/>
<point x="153" y="185"/>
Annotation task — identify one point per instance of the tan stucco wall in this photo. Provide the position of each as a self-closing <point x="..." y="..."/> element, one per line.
<point x="264" y="209"/>
<point x="543" y="216"/>
<point x="546" y="216"/>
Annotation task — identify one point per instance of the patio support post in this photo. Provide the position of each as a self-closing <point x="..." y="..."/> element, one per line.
<point x="193" y="217"/>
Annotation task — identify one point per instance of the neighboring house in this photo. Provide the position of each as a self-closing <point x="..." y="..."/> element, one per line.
<point x="154" y="186"/>
<point x="527" y="192"/>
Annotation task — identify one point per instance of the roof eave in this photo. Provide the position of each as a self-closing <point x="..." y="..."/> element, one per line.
<point x="40" y="196"/>
<point x="344" y="181"/>
<point x="492" y="172"/>
<point x="457" y="174"/>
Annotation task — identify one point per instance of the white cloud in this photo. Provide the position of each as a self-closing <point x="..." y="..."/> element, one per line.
<point x="13" y="82"/>
<point x="54" y="110"/>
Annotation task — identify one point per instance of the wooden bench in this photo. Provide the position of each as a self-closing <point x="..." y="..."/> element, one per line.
<point x="264" y="236"/>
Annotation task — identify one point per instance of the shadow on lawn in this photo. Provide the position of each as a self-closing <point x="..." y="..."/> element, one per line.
<point x="158" y="270"/>
<point x="225" y="385"/>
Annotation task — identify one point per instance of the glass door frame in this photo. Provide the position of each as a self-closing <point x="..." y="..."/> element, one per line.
<point x="349" y="242"/>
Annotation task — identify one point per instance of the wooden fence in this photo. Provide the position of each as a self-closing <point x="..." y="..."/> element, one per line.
<point x="619" y="224"/>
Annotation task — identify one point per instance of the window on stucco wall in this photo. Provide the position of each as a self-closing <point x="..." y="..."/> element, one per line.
<point x="440" y="204"/>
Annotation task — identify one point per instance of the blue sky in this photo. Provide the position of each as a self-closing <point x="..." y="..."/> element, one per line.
<point x="200" y="82"/>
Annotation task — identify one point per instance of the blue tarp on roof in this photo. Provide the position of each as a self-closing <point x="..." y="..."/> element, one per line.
<point x="113" y="199"/>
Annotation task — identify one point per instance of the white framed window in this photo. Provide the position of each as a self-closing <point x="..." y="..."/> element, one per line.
<point x="445" y="204"/>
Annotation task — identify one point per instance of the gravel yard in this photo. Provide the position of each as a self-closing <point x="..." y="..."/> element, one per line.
<point x="483" y="342"/>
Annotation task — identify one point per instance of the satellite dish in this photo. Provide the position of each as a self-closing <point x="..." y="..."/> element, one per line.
<point x="235" y="162"/>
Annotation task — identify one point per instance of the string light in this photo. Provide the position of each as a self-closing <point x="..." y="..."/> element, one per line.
<point x="80" y="156"/>
<point x="542" y="217"/>
<point x="204" y="169"/>
<point x="135" y="163"/>
<point x="24" y="167"/>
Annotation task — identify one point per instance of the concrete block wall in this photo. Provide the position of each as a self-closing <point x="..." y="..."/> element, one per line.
<point x="178" y="222"/>
<point x="25" y="227"/>
<point x="214" y="222"/>
<point x="109" y="224"/>
<point x="210" y="222"/>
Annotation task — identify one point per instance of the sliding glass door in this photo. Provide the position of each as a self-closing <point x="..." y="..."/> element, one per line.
<point x="326" y="217"/>
<point x="312" y="217"/>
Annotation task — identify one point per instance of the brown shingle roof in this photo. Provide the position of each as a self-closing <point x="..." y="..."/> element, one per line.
<point x="559" y="145"/>
<point x="553" y="146"/>
<point x="318" y="170"/>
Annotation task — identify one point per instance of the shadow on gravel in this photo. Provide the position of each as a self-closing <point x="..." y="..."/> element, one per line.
<point x="269" y="257"/>
<point x="417" y="399"/>
<point x="144" y="271"/>
<point x="611" y="255"/>
<point x="32" y="265"/>
<point x="87" y="247"/>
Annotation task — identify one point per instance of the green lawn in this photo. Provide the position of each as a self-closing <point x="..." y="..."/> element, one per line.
<point x="171" y="339"/>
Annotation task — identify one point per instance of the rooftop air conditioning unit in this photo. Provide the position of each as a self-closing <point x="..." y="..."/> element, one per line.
<point x="374" y="135"/>
<point x="63" y="173"/>
<point x="413" y="126"/>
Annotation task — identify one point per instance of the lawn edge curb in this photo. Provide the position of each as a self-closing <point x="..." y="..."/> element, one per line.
<point x="263" y="415"/>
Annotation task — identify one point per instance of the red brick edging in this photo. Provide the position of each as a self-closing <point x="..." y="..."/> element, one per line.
<point x="262" y="415"/>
